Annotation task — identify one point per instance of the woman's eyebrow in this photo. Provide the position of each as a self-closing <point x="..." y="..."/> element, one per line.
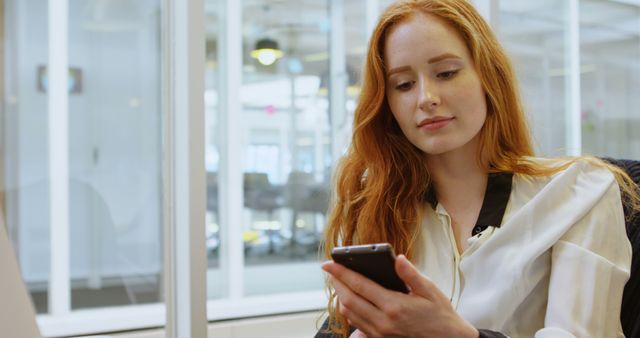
<point x="442" y="57"/>
<point x="398" y="70"/>
<point x="432" y="60"/>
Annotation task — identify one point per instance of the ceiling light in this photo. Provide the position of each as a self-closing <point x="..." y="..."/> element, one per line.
<point x="266" y="51"/>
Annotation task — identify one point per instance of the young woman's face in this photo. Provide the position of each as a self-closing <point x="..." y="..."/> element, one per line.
<point x="432" y="86"/>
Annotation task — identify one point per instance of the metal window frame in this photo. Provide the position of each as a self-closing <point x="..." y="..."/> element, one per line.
<point x="573" y="124"/>
<point x="185" y="262"/>
<point x="125" y="318"/>
<point x="58" y="107"/>
<point x="3" y="207"/>
<point x="230" y="191"/>
<point x="338" y="79"/>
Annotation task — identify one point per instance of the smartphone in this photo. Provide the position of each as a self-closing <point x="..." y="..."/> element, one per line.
<point x="374" y="261"/>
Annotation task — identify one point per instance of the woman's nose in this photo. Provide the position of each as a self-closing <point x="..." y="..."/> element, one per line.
<point x="429" y="99"/>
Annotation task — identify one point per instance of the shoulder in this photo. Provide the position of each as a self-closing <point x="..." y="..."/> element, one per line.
<point x="580" y="171"/>
<point x="577" y="186"/>
<point x="580" y="203"/>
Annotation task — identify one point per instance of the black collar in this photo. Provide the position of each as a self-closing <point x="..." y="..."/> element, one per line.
<point x="494" y="204"/>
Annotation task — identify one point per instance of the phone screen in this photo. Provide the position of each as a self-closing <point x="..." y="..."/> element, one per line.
<point x="374" y="261"/>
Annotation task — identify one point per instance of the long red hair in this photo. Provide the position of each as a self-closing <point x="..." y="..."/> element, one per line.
<point x="381" y="182"/>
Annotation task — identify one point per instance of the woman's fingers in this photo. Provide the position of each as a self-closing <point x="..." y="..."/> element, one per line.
<point x="358" y="310"/>
<point x="363" y="323"/>
<point x="417" y="282"/>
<point x="358" y="334"/>
<point x="376" y="311"/>
<point x="359" y="284"/>
<point x="352" y="301"/>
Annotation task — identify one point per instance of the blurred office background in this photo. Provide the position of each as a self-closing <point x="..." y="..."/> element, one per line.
<point x="297" y="101"/>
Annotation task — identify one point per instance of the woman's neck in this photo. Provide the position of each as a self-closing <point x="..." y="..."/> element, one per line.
<point x="458" y="178"/>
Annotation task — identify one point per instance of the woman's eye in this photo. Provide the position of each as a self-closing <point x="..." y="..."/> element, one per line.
<point x="404" y="86"/>
<point x="447" y="75"/>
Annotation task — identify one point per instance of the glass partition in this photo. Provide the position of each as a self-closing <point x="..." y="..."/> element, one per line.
<point x="213" y="142"/>
<point x="114" y="149"/>
<point x="115" y="152"/>
<point x="286" y="139"/>
<point x="286" y="136"/>
<point x="610" y="78"/>
<point x="533" y="33"/>
<point x="24" y="138"/>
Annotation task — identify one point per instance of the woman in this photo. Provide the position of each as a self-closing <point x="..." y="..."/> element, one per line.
<point x="494" y="242"/>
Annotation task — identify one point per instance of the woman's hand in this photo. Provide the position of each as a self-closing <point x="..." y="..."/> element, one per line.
<point x="358" y="334"/>
<point x="379" y="312"/>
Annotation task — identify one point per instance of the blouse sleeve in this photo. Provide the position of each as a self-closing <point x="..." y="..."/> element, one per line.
<point x="589" y="268"/>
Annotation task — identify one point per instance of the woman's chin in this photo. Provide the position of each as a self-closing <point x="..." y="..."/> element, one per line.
<point x="436" y="149"/>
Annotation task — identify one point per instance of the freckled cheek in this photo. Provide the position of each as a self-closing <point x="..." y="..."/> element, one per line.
<point x="402" y="112"/>
<point x="402" y="104"/>
<point x="470" y="96"/>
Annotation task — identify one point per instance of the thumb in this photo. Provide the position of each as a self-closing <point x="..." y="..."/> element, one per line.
<point x="417" y="283"/>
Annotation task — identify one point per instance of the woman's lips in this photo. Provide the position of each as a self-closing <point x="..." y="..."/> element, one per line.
<point x="435" y="123"/>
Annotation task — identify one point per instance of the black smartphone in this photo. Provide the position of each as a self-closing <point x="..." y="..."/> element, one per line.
<point x="374" y="261"/>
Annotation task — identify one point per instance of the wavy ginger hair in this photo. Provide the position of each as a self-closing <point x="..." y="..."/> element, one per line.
<point x="382" y="181"/>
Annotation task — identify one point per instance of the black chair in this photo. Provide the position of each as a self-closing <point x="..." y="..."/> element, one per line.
<point x="213" y="236"/>
<point x="304" y="195"/>
<point x="212" y="192"/>
<point x="261" y="195"/>
<point x="630" y="311"/>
